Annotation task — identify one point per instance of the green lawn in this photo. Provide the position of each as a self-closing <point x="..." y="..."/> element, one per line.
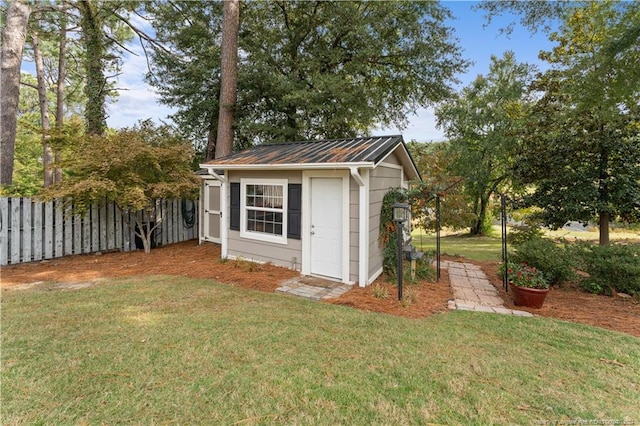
<point x="489" y="248"/>
<point x="476" y="248"/>
<point x="168" y="350"/>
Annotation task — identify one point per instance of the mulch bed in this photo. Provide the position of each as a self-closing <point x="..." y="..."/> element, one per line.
<point x="188" y="259"/>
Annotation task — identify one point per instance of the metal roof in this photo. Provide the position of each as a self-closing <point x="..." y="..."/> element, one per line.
<point x="350" y="150"/>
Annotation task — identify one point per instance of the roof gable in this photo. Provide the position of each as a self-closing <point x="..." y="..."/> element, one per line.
<point x="362" y="151"/>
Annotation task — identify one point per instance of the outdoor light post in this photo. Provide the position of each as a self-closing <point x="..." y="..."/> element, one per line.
<point x="400" y="213"/>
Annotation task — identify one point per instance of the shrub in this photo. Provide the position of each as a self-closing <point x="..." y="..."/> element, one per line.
<point x="380" y="292"/>
<point x="408" y="298"/>
<point x="523" y="233"/>
<point x="553" y="260"/>
<point x="424" y="271"/>
<point x="609" y="268"/>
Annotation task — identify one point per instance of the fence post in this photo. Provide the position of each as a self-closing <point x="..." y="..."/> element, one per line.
<point x="37" y="230"/>
<point x="59" y="228"/>
<point x="4" y="230"/>
<point x="48" y="230"/>
<point x="14" y="234"/>
<point x="27" y="226"/>
<point x="77" y="234"/>
<point x="68" y="230"/>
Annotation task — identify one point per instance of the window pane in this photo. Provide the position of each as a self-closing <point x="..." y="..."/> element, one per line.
<point x="265" y="220"/>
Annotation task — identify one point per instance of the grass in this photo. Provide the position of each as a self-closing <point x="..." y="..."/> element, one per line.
<point x="464" y="245"/>
<point x="173" y="350"/>
<point x="489" y="248"/>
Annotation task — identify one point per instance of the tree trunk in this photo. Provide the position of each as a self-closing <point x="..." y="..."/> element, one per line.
<point x="62" y="74"/>
<point x="13" y="37"/>
<point x="228" y="76"/>
<point x="210" y="152"/>
<point x="604" y="229"/>
<point x="477" y="228"/>
<point x="47" y="155"/>
<point x="96" y="85"/>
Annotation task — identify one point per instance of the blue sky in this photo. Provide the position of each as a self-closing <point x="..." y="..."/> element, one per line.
<point x="138" y="101"/>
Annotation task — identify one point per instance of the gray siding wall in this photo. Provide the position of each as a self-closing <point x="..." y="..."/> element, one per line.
<point x="287" y="255"/>
<point x="380" y="181"/>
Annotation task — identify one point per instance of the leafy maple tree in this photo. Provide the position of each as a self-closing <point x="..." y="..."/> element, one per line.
<point x="133" y="167"/>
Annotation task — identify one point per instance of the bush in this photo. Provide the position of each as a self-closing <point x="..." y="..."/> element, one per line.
<point x="612" y="268"/>
<point x="522" y="233"/>
<point x="553" y="260"/>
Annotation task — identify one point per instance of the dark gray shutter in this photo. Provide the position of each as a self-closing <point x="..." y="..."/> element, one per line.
<point x="294" y="213"/>
<point x="234" y="208"/>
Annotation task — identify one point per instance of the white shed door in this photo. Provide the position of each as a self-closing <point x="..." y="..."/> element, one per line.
<point x="212" y="211"/>
<point x="326" y="227"/>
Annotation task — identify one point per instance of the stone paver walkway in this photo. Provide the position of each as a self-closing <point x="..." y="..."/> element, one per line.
<point x="472" y="291"/>
<point x="313" y="288"/>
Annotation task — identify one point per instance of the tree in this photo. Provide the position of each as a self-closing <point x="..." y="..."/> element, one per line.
<point x="187" y="70"/>
<point x="228" y="76"/>
<point x="482" y="124"/>
<point x="317" y="69"/>
<point x="96" y="88"/>
<point x="134" y="167"/>
<point x="582" y="154"/>
<point x="13" y="38"/>
<point x="434" y="162"/>
<point x="47" y="155"/>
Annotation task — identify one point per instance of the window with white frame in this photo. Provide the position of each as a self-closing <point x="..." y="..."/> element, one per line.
<point x="263" y="209"/>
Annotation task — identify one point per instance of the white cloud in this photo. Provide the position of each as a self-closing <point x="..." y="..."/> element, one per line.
<point x="421" y="127"/>
<point x="137" y="100"/>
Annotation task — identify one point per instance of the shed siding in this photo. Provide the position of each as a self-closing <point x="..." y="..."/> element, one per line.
<point x="287" y="255"/>
<point x="381" y="180"/>
<point x="392" y="159"/>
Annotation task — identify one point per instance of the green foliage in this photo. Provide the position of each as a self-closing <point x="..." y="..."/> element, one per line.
<point x="553" y="260"/>
<point x="581" y="147"/>
<point x="482" y="125"/>
<point x="388" y="231"/>
<point x="187" y="76"/>
<point x="424" y="271"/>
<point x="613" y="268"/>
<point x="523" y="233"/>
<point x="133" y="167"/>
<point x="308" y="69"/>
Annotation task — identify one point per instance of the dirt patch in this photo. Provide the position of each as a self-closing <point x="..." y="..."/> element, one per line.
<point x="427" y="298"/>
<point x="188" y="259"/>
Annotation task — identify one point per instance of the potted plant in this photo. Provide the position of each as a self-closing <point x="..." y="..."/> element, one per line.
<point x="528" y="285"/>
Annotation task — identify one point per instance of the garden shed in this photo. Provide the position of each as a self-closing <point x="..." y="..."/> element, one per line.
<point x="311" y="206"/>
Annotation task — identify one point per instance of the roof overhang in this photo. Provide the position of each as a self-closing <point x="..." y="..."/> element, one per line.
<point x="291" y="166"/>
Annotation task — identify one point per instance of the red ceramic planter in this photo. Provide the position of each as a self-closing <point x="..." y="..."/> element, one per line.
<point x="529" y="297"/>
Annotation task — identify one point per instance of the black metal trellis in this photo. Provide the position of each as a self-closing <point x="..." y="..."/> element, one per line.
<point x="503" y="222"/>
<point x="437" y="238"/>
<point x="505" y="254"/>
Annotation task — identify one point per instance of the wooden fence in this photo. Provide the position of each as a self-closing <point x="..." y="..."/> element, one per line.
<point x="31" y="230"/>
